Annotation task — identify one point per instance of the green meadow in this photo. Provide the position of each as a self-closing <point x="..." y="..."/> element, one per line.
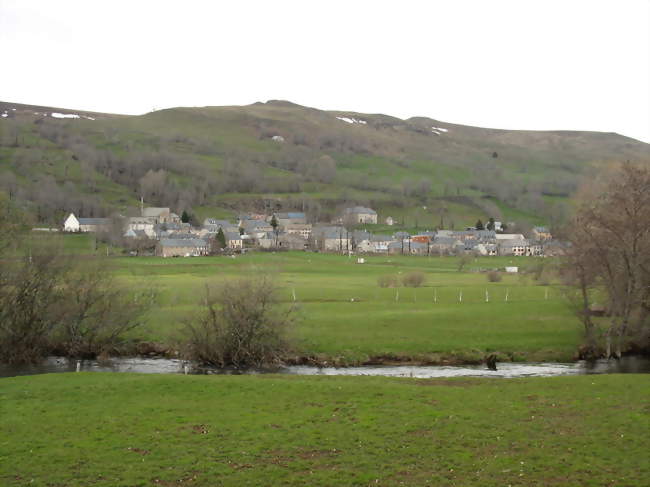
<point x="131" y="430"/>
<point x="344" y="316"/>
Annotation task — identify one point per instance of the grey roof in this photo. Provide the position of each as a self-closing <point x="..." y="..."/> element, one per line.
<point x="541" y="229"/>
<point x="442" y="240"/>
<point x="232" y="235"/>
<point x="380" y="238"/>
<point x="412" y="245"/>
<point x="359" y="209"/>
<point x="360" y="235"/>
<point x="183" y="235"/>
<point x="291" y="215"/>
<point x="183" y="242"/>
<point x="255" y="223"/>
<point x="219" y="223"/>
<point x="231" y="227"/>
<point x="402" y="235"/>
<point x="513" y="242"/>
<point x="158" y="227"/>
<point x="94" y="221"/>
<point x="141" y="220"/>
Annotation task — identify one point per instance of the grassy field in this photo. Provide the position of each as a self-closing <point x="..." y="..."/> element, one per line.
<point x="344" y="315"/>
<point x="132" y="430"/>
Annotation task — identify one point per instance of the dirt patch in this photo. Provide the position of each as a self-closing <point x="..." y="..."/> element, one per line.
<point x="141" y="451"/>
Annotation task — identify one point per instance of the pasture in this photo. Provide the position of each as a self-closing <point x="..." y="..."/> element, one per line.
<point x="344" y="316"/>
<point x="102" y="429"/>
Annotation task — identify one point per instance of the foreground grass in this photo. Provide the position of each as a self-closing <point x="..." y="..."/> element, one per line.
<point x="134" y="430"/>
<point x="345" y="315"/>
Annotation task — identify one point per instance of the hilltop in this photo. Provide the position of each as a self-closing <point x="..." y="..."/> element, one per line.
<point x="217" y="161"/>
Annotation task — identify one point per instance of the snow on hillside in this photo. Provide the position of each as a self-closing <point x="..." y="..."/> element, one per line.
<point x="64" y="115"/>
<point x="69" y="115"/>
<point x="352" y="120"/>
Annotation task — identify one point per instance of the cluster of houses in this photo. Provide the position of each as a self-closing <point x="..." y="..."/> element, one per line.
<point x="291" y="231"/>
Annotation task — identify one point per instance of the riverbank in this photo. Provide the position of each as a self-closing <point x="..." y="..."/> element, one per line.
<point x="127" y="429"/>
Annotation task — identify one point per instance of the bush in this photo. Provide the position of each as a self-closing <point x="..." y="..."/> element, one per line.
<point x="388" y="281"/>
<point x="242" y="325"/>
<point x="494" y="276"/>
<point x="414" y="279"/>
<point x="51" y="304"/>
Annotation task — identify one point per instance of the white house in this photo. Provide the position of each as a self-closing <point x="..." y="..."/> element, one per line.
<point x="74" y="224"/>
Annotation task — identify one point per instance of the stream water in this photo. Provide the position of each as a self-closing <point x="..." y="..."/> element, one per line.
<point x="632" y="364"/>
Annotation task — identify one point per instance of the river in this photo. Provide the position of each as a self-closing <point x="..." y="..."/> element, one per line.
<point x="632" y="364"/>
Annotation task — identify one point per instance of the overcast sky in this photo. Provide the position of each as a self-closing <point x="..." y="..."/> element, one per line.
<point x="581" y="65"/>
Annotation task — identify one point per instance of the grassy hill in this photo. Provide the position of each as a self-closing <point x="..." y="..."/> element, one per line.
<point x="217" y="161"/>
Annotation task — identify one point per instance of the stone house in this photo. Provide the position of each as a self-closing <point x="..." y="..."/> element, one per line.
<point x="182" y="247"/>
<point x="160" y="215"/>
<point x="233" y="240"/>
<point x="301" y="229"/>
<point x="514" y="246"/>
<point x="289" y="218"/>
<point x="334" y="239"/>
<point x="359" y="214"/>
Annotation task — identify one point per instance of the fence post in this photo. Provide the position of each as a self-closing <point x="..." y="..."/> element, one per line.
<point x="546" y="294"/>
<point x="506" y="295"/>
<point x="435" y="295"/>
<point x="460" y="295"/>
<point x="487" y="296"/>
<point x="396" y="294"/>
<point x="293" y="292"/>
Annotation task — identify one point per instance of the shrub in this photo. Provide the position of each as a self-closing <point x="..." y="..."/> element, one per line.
<point x="49" y="303"/>
<point x="414" y="279"/>
<point x="494" y="276"/>
<point x="242" y="325"/>
<point x="388" y="280"/>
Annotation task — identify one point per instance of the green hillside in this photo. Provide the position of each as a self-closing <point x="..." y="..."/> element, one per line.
<point x="218" y="161"/>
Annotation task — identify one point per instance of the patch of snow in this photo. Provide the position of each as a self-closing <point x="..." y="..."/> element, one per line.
<point x="277" y="138"/>
<point x="439" y="129"/>
<point x="88" y="118"/>
<point x="64" y="115"/>
<point x="352" y="120"/>
<point x="435" y="131"/>
<point x="13" y="109"/>
<point x="4" y="115"/>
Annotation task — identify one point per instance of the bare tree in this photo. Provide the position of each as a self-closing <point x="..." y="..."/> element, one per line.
<point x="610" y="239"/>
<point x="97" y="311"/>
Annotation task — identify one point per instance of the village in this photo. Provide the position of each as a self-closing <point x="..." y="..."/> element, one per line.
<point x="161" y="232"/>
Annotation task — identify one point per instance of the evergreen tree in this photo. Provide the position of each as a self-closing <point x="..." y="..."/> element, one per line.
<point x="274" y="223"/>
<point x="185" y="217"/>
<point x="490" y="225"/>
<point x="221" y="239"/>
<point x="479" y="225"/>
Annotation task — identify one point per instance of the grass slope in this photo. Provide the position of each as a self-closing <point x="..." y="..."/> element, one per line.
<point x="127" y="430"/>
<point x="374" y="161"/>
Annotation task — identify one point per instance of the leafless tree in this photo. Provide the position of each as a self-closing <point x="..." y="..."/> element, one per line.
<point x="97" y="311"/>
<point x="610" y="238"/>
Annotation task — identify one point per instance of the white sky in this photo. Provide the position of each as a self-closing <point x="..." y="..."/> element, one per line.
<point x="581" y="65"/>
